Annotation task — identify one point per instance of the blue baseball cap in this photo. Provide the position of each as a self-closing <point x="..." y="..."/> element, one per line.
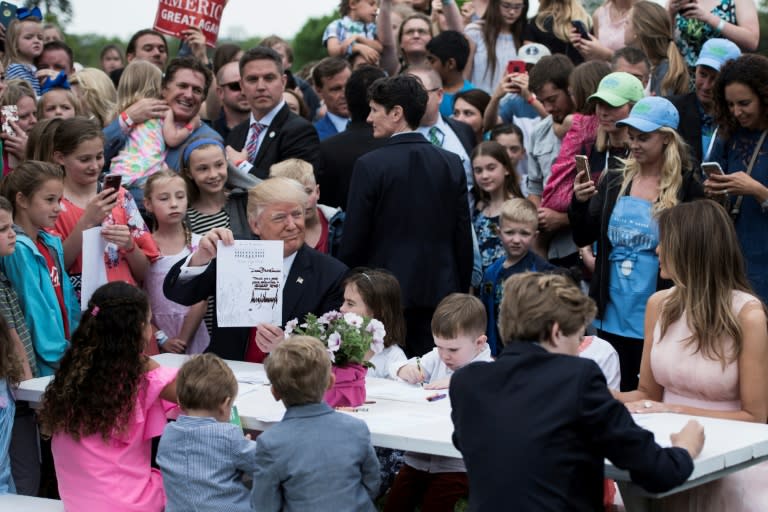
<point x="716" y="52"/>
<point x="650" y="114"/>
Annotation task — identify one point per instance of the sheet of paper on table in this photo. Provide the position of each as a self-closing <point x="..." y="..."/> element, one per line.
<point x="400" y="391"/>
<point x="249" y="277"/>
<point x="94" y="271"/>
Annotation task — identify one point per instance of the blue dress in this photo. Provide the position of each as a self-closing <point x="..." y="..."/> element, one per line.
<point x="752" y="223"/>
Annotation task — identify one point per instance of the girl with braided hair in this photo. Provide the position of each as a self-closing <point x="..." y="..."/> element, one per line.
<point x="106" y="403"/>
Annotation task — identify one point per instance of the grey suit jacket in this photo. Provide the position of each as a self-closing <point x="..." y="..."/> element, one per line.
<point x="315" y="459"/>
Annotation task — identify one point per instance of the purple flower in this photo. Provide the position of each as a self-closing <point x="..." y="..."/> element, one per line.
<point x="290" y="326"/>
<point x="353" y="319"/>
<point x="329" y="317"/>
<point x="377" y="346"/>
<point x="334" y="341"/>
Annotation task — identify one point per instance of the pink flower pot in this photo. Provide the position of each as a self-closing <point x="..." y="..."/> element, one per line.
<point x="349" y="389"/>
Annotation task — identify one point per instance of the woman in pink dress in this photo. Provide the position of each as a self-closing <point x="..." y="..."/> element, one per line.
<point x="706" y="346"/>
<point x="106" y="403"/>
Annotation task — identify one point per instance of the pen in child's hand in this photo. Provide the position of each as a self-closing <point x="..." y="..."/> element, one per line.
<point x="352" y="409"/>
<point x="421" y="372"/>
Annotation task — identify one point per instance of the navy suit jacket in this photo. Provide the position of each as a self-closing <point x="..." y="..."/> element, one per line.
<point x="534" y="428"/>
<point x="464" y="132"/>
<point x="313" y="286"/>
<point x="407" y="212"/>
<point x="288" y="136"/>
<point x="325" y="128"/>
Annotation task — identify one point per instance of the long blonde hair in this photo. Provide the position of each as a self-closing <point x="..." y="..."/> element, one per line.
<point x="676" y="160"/>
<point x="653" y="27"/>
<point x="98" y="94"/>
<point x="562" y="12"/>
<point x="701" y="252"/>
<point x="140" y="80"/>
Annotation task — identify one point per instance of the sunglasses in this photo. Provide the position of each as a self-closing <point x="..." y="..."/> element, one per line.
<point x="232" y="86"/>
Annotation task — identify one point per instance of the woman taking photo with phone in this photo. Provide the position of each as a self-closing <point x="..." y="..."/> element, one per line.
<point x="619" y="214"/>
<point x="553" y="24"/>
<point x="741" y="112"/>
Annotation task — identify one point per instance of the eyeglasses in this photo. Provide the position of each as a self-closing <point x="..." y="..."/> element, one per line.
<point x="416" y="31"/>
<point x="232" y="86"/>
<point x="506" y="6"/>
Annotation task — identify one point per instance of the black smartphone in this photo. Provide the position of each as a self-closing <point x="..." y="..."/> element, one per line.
<point x="583" y="32"/>
<point x="7" y="13"/>
<point x="112" y="181"/>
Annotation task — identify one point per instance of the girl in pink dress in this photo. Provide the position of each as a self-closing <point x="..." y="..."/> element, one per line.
<point x="106" y="403"/>
<point x="705" y="348"/>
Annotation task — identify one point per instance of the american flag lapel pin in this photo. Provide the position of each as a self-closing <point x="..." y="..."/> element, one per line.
<point x="300" y="280"/>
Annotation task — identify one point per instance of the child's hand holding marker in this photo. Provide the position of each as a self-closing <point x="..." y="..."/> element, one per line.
<point x="412" y="373"/>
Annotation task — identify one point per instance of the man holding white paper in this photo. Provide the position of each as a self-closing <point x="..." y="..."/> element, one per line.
<point x="311" y="280"/>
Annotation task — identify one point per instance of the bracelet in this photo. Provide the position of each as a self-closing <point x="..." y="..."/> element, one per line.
<point x="720" y="26"/>
<point x="126" y="119"/>
<point x="531" y="99"/>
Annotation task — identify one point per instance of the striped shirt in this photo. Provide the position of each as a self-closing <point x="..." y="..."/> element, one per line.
<point x="11" y="311"/>
<point x="202" y="223"/>
<point x="25" y="72"/>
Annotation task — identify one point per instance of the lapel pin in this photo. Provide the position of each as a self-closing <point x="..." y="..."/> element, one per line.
<point x="271" y="135"/>
<point x="300" y="280"/>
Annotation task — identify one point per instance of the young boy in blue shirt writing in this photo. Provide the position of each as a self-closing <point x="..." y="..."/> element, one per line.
<point x="315" y="458"/>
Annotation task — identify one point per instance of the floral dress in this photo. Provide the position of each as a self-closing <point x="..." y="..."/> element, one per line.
<point x="487" y="231"/>
<point x="691" y="34"/>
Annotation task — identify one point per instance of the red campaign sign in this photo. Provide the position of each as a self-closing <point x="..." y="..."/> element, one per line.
<point x="173" y="16"/>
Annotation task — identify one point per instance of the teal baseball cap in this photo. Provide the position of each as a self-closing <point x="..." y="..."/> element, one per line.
<point x="650" y="114"/>
<point x="716" y="52"/>
<point x="618" y="89"/>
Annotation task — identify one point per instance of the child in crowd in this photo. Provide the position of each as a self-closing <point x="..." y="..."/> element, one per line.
<point x="181" y="328"/>
<point x="355" y="32"/>
<point x="429" y="481"/>
<point x="495" y="181"/>
<point x="323" y="224"/>
<point x="10" y="374"/>
<point x="535" y="426"/>
<point x="57" y="99"/>
<point x="315" y="458"/>
<point x="78" y="147"/>
<point x="23" y="44"/>
<point x="202" y="456"/>
<point x="447" y="53"/>
<point x="204" y="167"/>
<point x="145" y="150"/>
<point x="23" y="447"/>
<point x="36" y="268"/>
<point x="519" y="228"/>
<point x="106" y="403"/>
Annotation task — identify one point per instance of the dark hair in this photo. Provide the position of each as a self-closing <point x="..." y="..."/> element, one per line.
<point x="499" y="153"/>
<point x="131" y="48"/>
<point x="5" y="205"/>
<point x="57" y="45"/>
<point x="475" y="97"/>
<point x="507" y="129"/>
<point x="380" y="290"/>
<point x="27" y="179"/>
<point x="303" y="108"/>
<point x="193" y="192"/>
<point x="584" y="82"/>
<point x="192" y="64"/>
<point x="403" y="90"/>
<point x="344" y="7"/>
<point x="262" y="53"/>
<point x="109" y="48"/>
<point x="356" y="91"/>
<point x="551" y="68"/>
<point x="493" y="24"/>
<point x="750" y="70"/>
<point x="632" y="55"/>
<point x="224" y="54"/>
<point x="10" y="366"/>
<point x="40" y="139"/>
<point x="450" y="45"/>
<point x="70" y="133"/>
<point x="327" y="68"/>
<point x="107" y="352"/>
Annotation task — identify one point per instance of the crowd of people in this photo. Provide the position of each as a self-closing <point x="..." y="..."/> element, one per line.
<point x="502" y="191"/>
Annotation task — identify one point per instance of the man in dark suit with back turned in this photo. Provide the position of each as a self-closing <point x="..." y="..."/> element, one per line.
<point x="407" y="209"/>
<point x="272" y="133"/>
<point x="339" y="153"/>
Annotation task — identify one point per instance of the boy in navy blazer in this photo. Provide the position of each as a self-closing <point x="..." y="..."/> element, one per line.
<point x="315" y="458"/>
<point x="535" y="425"/>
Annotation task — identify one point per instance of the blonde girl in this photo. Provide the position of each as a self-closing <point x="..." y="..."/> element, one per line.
<point x="58" y="100"/>
<point x="23" y="44"/>
<point x="650" y="28"/>
<point x="552" y="27"/>
<point x="145" y="150"/>
<point x="97" y="94"/>
<point x="620" y="214"/>
<point x="181" y="328"/>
